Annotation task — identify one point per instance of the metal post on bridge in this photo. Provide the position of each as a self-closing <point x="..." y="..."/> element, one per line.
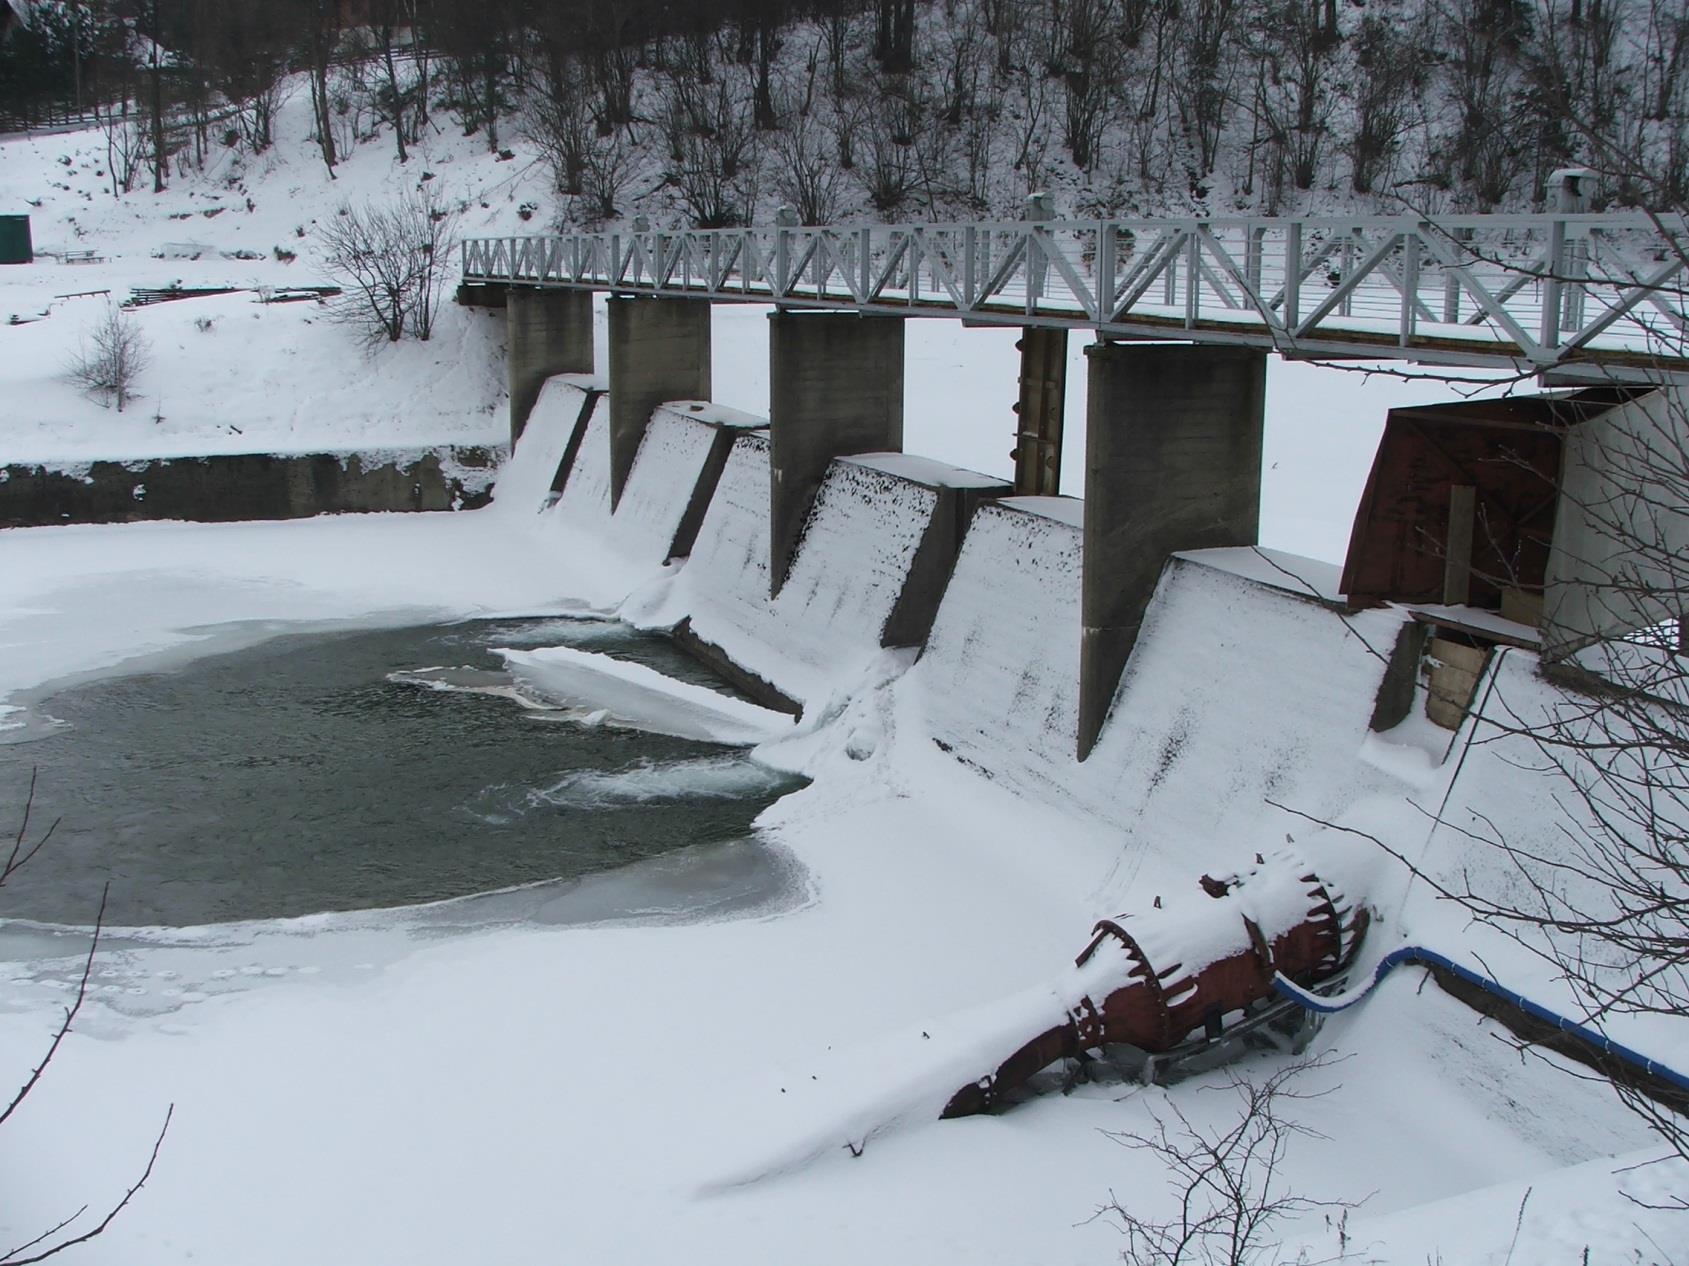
<point x="1041" y="409"/>
<point x="1568" y="256"/>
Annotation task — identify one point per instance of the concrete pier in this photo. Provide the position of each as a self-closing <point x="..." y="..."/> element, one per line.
<point x="659" y="351"/>
<point x="1040" y="411"/>
<point x="547" y="332"/>
<point x="835" y="389"/>
<point x="1172" y="462"/>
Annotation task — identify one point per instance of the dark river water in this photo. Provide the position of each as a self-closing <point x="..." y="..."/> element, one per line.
<point x="349" y="771"/>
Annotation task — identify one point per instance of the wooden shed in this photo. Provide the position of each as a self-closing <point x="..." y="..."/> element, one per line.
<point x="1461" y="503"/>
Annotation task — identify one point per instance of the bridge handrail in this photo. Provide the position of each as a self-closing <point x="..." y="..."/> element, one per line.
<point x="1535" y="290"/>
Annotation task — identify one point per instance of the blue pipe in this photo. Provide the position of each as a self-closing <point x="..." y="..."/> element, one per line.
<point x="1430" y="958"/>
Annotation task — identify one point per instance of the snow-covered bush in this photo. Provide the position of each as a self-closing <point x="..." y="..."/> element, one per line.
<point x="111" y="357"/>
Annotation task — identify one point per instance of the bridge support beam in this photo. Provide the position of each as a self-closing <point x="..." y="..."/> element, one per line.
<point x="659" y="351"/>
<point x="835" y="388"/>
<point x="546" y="332"/>
<point x="1041" y="410"/>
<point x="1172" y="462"/>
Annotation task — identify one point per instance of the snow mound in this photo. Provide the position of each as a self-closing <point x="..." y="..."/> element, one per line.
<point x="643" y="698"/>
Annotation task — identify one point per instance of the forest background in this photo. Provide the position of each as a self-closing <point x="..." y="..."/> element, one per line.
<point x="717" y="112"/>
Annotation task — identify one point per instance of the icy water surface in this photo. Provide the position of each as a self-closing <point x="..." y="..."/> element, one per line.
<point x="349" y="771"/>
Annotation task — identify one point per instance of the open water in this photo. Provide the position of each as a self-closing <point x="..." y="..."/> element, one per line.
<point x="330" y="772"/>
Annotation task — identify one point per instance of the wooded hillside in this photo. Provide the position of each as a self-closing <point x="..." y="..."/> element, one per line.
<point x="715" y="113"/>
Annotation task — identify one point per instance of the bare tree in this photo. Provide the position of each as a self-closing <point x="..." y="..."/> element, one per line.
<point x="1387" y="74"/>
<point x="557" y="118"/>
<point x="110" y="357"/>
<point x="1227" y="1181"/>
<point x="392" y="260"/>
<point x="611" y="164"/>
<point x="807" y="177"/>
<point x="712" y="147"/>
<point x="1603" y="898"/>
<point x="126" y="149"/>
<point x="1090" y="70"/>
<point x="65" y="1233"/>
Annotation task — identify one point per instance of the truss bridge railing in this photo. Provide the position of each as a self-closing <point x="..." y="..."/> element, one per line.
<point x="1605" y="294"/>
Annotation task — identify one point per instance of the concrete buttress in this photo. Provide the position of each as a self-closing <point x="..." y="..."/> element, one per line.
<point x="547" y="332"/>
<point x="659" y="351"/>
<point x="1172" y="462"/>
<point x="835" y="389"/>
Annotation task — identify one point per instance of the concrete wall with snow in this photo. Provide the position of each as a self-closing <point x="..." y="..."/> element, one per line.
<point x="551" y="436"/>
<point x="226" y="487"/>
<point x="999" y="682"/>
<point x="673" y="465"/>
<point x="854" y="567"/>
<point x="1238" y="693"/>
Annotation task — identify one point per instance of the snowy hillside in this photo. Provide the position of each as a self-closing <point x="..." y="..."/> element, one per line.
<point x="232" y="374"/>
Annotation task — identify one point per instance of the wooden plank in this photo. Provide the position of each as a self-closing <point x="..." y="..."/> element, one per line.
<point x="1457" y="549"/>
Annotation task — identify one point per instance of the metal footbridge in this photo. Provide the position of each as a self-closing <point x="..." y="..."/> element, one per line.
<point x="1593" y="295"/>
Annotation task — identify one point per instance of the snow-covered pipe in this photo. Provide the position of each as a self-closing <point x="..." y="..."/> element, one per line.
<point x="1151" y="981"/>
<point x="1598" y="1043"/>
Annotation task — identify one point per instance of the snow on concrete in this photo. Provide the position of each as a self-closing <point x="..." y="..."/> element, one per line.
<point x="525" y="479"/>
<point x="1306" y="577"/>
<point x="1236" y="695"/>
<point x="822" y="632"/>
<point x="638" y="536"/>
<point x="998" y="684"/>
<point x="922" y="470"/>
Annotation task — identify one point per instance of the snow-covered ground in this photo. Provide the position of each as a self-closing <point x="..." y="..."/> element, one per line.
<point x="626" y="1086"/>
<point x="373" y="1087"/>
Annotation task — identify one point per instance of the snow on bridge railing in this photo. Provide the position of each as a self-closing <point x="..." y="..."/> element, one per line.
<point x="1606" y="291"/>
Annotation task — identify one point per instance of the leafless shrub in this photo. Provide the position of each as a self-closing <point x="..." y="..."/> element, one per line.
<point x="111" y="357"/>
<point x="391" y="261"/>
<point x="611" y="164"/>
<point x="1227" y="1181"/>
<point x="65" y="1233"/>
<point x="715" y="173"/>
<point x="807" y="177"/>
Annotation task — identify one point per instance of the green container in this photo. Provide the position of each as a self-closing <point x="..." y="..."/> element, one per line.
<point x="15" y="246"/>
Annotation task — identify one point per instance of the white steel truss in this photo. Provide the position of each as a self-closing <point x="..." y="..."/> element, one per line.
<point x="1604" y="294"/>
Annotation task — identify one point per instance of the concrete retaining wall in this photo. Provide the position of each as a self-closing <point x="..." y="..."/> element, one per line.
<point x="235" y="486"/>
<point x="1238" y="693"/>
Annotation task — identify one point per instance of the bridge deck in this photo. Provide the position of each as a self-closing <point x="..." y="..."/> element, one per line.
<point x="1604" y="294"/>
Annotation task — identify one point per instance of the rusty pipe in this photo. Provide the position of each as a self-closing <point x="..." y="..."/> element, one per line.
<point x="1151" y="981"/>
